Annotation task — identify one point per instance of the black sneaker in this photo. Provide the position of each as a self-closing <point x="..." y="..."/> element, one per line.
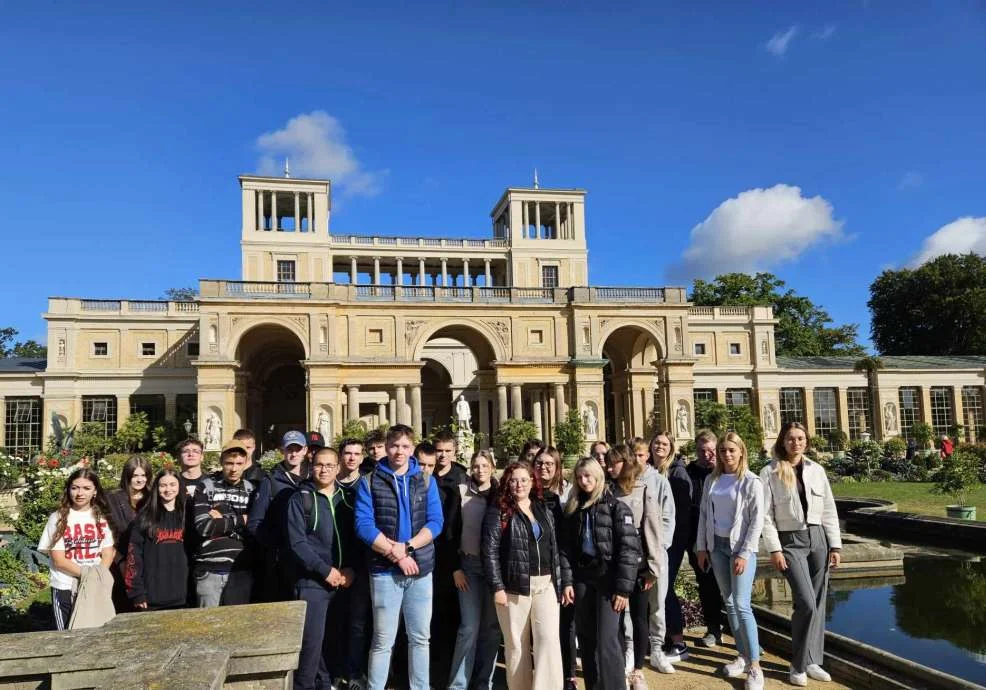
<point x="676" y="652"/>
<point x="570" y="684"/>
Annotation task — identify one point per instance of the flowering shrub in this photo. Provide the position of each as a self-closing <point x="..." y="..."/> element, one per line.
<point x="270" y="459"/>
<point x="11" y="469"/>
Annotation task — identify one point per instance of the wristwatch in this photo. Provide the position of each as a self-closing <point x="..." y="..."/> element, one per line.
<point x="408" y="548"/>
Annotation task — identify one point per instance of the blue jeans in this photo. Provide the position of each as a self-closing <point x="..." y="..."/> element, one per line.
<point x="394" y="594"/>
<point x="736" y="591"/>
<point x="478" y="639"/>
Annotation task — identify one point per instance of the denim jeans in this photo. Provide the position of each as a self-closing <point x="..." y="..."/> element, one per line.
<point x="478" y="639"/>
<point x="736" y="592"/>
<point x="223" y="589"/>
<point x="394" y="595"/>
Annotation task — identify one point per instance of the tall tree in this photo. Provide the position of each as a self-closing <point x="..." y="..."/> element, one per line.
<point x="183" y="294"/>
<point x="802" y="329"/>
<point x="28" y="348"/>
<point x="938" y="308"/>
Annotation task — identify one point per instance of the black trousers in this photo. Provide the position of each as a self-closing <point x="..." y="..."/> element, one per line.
<point x="600" y="641"/>
<point x="569" y="649"/>
<point x="319" y="641"/>
<point x="638" y="612"/>
<point x="444" y="625"/>
<point x="709" y="596"/>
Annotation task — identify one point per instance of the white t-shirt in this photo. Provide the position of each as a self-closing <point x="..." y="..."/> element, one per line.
<point x="82" y="543"/>
<point x="724" y="495"/>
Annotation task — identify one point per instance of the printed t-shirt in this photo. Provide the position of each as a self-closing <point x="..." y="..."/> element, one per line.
<point x="82" y="543"/>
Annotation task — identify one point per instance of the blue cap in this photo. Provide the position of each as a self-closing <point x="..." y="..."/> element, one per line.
<point x="295" y="438"/>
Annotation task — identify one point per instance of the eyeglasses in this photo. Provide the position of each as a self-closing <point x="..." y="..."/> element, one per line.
<point x="519" y="480"/>
<point x="325" y="467"/>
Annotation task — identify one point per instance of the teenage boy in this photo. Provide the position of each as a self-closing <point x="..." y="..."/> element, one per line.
<point x="322" y="541"/>
<point x="398" y="515"/>
<point x="354" y="610"/>
<point x="190" y="453"/>
<point x="267" y="515"/>
<point x="254" y="473"/>
<point x="314" y="441"/>
<point x="425" y="454"/>
<point x="449" y="475"/>
<point x="222" y="561"/>
<point x="708" y="588"/>
<point x="376" y="450"/>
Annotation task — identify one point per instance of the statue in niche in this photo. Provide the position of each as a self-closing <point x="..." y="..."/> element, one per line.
<point x="213" y="431"/>
<point x="323" y="426"/>
<point x="681" y="420"/>
<point x="463" y="415"/>
<point x="770" y="418"/>
<point x="890" y="418"/>
<point x="590" y="422"/>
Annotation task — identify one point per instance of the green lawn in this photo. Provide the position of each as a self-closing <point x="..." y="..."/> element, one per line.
<point x="910" y="497"/>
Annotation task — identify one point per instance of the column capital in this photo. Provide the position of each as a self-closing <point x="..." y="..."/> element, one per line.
<point x="352" y="386"/>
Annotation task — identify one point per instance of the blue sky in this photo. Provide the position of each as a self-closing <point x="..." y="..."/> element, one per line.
<point x="821" y="141"/>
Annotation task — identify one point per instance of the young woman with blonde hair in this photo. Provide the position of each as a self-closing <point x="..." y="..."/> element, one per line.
<point x="801" y="531"/>
<point x="729" y="526"/>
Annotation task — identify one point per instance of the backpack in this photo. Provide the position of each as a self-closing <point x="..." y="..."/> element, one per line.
<point x="209" y="486"/>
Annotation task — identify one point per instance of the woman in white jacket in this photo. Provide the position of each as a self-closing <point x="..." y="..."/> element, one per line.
<point x="801" y="531"/>
<point x="729" y="526"/>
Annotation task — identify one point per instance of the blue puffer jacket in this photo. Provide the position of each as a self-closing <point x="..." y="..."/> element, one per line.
<point x="398" y="506"/>
<point x="323" y="539"/>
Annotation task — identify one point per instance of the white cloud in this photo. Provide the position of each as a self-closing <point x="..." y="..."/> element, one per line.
<point x="911" y="180"/>
<point x="756" y="229"/>
<point x="961" y="236"/>
<point x="778" y="43"/>
<point x="825" y="32"/>
<point x="315" y="144"/>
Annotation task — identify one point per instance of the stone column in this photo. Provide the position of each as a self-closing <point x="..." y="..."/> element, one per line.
<point x="421" y="272"/>
<point x="466" y="282"/>
<point x="524" y="219"/>
<point x="392" y="412"/>
<point x="484" y="414"/>
<point x="3" y="426"/>
<point x="400" y="392"/>
<point x="537" y="219"/>
<point x="297" y="212"/>
<point x="620" y="431"/>
<point x="260" y="209"/>
<point x="561" y="409"/>
<point x="516" y="403"/>
<point x="171" y="408"/>
<point x="444" y="272"/>
<point x="352" y="402"/>
<point x="382" y="413"/>
<point x="536" y="413"/>
<point x="842" y="409"/>
<point x="958" y="414"/>
<point x="353" y="273"/>
<point x="376" y="270"/>
<point x="273" y="211"/>
<point x="416" y="408"/>
<point x="400" y="271"/>
<point x="501" y="403"/>
<point x="809" y="394"/>
<point x="310" y="198"/>
<point x="123" y="411"/>
<point x="486" y="270"/>
<point x="557" y="220"/>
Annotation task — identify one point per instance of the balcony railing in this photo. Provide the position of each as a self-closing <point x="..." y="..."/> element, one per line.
<point x="391" y="241"/>
<point x="267" y="290"/>
<point x="134" y="306"/>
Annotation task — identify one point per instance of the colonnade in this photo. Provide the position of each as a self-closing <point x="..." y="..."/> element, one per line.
<point x="440" y="277"/>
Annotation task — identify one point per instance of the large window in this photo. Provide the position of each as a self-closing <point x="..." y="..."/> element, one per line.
<point x="858" y="407"/>
<point x="22" y="426"/>
<point x="738" y="397"/>
<point x="700" y="394"/>
<point x="972" y="410"/>
<point x="549" y="276"/>
<point x="826" y="410"/>
<point x="942" y="411"/>
<point x="792" y="405"/>
<point x="909" y="398"/>
<point x="285" y="272"/>
<point x="100" y="409"/>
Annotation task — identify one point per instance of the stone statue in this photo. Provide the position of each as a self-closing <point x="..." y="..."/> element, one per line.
<point x="769" y="419"/>
<point x="213" y="431"/>
<point x="590" y="422"/>
<point x="890" y="417"/>
<point x="681" y="419"/>
<point x="323" y="426"/>
<point x="463" y="415"/>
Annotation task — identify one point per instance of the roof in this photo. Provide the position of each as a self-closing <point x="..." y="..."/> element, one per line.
<point x="22" y="365"/>
<point x="889" y="362"/>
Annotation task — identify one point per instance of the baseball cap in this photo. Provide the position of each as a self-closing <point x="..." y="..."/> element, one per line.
<point x="315" y="440"/>
<point x="234" y="444"/>
<point x="293" y="438"/>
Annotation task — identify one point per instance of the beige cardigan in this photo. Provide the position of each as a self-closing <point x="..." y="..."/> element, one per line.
<point x="783" y="511"/>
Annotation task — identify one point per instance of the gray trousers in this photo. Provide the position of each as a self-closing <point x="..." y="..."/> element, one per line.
<point x="807" y="554"/>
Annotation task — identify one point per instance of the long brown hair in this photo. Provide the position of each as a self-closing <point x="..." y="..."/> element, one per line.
<point x="785" y="470"/>
<point x="630" y="471"/>
<point x="100" y="509"/>
<point x="558" y="480"/>
<point x="505" y="499"/>
<point x="129" y="467"/>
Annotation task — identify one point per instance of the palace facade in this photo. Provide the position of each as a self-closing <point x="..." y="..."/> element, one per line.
<point x="324" y="328"/>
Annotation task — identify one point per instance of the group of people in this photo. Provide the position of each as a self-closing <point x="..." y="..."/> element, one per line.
<point x="396" y="548"/>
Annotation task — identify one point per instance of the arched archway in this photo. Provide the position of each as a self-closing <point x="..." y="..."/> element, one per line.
<point x="274" y="400"/>
<point x="631" y="382"/>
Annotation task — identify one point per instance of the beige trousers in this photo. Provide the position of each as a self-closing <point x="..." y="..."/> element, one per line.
<point x="527" y="619"/>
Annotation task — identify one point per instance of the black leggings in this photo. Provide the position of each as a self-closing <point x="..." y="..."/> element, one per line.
<point x="641" y="625"/>
<point x="567" y="637"/>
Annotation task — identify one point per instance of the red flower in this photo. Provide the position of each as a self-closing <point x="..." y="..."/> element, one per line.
<point x="41" y="461"/>
<point x="53" y="463"/>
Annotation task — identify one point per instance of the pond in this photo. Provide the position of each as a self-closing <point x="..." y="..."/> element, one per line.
<point x="934" y="615"/>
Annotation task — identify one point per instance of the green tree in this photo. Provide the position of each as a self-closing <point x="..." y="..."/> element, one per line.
<point x="27" y="348"/>
<point x="722" y="418"/>
<point x="938" y="308"/>
<point x="131" y="433"/>
<point x="183" y="294"/>
<point x="803" y="328"/>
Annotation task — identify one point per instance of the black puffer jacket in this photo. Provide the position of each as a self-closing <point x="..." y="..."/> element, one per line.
<point x="506" y="553"/>
<point x="615" y="537"/>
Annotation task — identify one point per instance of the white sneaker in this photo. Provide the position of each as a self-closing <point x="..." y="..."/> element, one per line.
<point x="816" y="672"/>
<point x="735" y="668"/>
<point x="799" y="679"/>
<point x="754" y="679"/>
<point x="659" y="662"/>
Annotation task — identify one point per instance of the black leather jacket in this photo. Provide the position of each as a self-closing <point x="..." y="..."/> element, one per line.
<point x="506" y="553"/>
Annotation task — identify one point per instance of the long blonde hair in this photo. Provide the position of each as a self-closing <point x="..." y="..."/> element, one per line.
<point x="744" y="463"/>
<point x="785" y="470"/>
<point x="579" y="499"/>
<point x="666" y="463"/>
